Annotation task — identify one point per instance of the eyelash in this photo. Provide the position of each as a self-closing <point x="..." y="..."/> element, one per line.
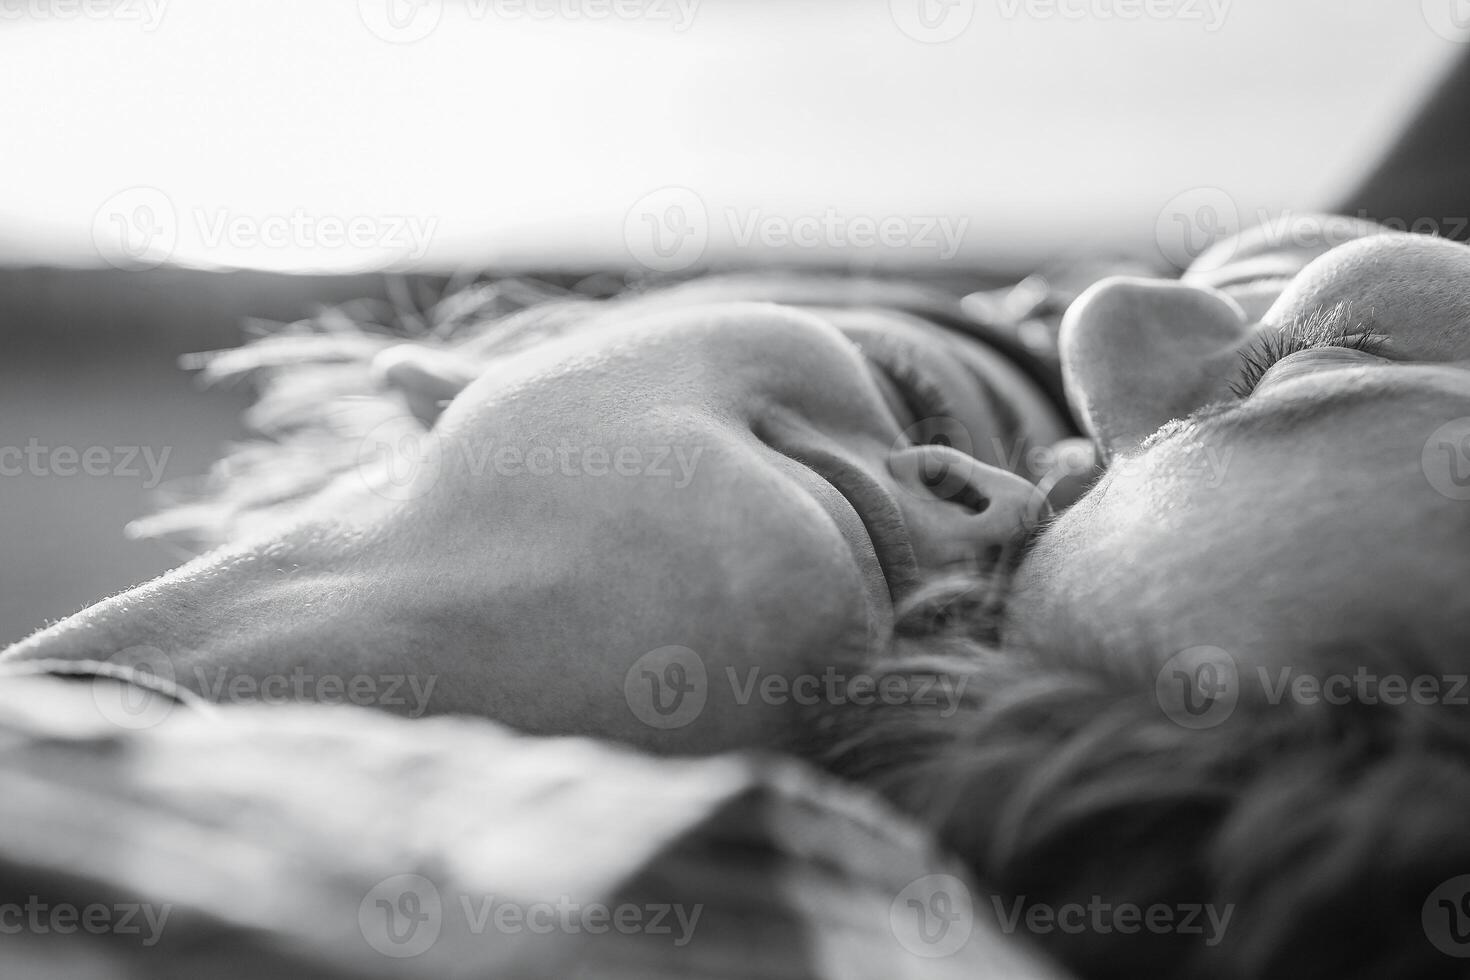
<point x="1269" y="347"/>
<point x="923" y="399"/>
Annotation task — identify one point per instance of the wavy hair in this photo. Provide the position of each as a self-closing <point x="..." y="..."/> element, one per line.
<point x="1322" y="831"/>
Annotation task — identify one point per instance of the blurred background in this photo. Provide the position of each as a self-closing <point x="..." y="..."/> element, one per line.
<point x="170" y="169"/>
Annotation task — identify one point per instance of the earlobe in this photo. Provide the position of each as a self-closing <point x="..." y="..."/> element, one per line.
<point x="1137" y="353"/>
<point x="428" y="379"/>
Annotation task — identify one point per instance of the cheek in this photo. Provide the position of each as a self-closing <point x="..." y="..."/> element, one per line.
<point x="807" y="604"/>
<point x="773" y="652"/>
<point x="728" y="654"/>
<point x="744" y="604"/>
<point x="758" y="570"/>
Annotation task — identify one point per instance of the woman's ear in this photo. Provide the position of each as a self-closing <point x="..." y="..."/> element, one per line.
<point x="428" y="379"/>
<point x="1137" y="353"/>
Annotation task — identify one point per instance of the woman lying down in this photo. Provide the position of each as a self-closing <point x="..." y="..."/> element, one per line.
<point x="701" y="519"/>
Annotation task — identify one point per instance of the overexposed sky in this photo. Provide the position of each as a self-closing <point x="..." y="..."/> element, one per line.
<point x="346" y="134"/>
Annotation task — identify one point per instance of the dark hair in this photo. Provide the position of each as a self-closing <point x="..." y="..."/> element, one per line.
<point x="1321" y="830"/>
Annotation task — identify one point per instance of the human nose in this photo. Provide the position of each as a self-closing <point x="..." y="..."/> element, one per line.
<point x="960" y="511"/>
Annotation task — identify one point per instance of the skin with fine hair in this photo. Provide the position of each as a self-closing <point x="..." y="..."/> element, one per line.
<point x="1319" y="508"/>
<point x="560" y="526"/>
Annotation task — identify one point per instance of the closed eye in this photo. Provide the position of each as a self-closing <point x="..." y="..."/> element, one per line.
<point x="1270" y="347"/>
<point x="918" y="404"/>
